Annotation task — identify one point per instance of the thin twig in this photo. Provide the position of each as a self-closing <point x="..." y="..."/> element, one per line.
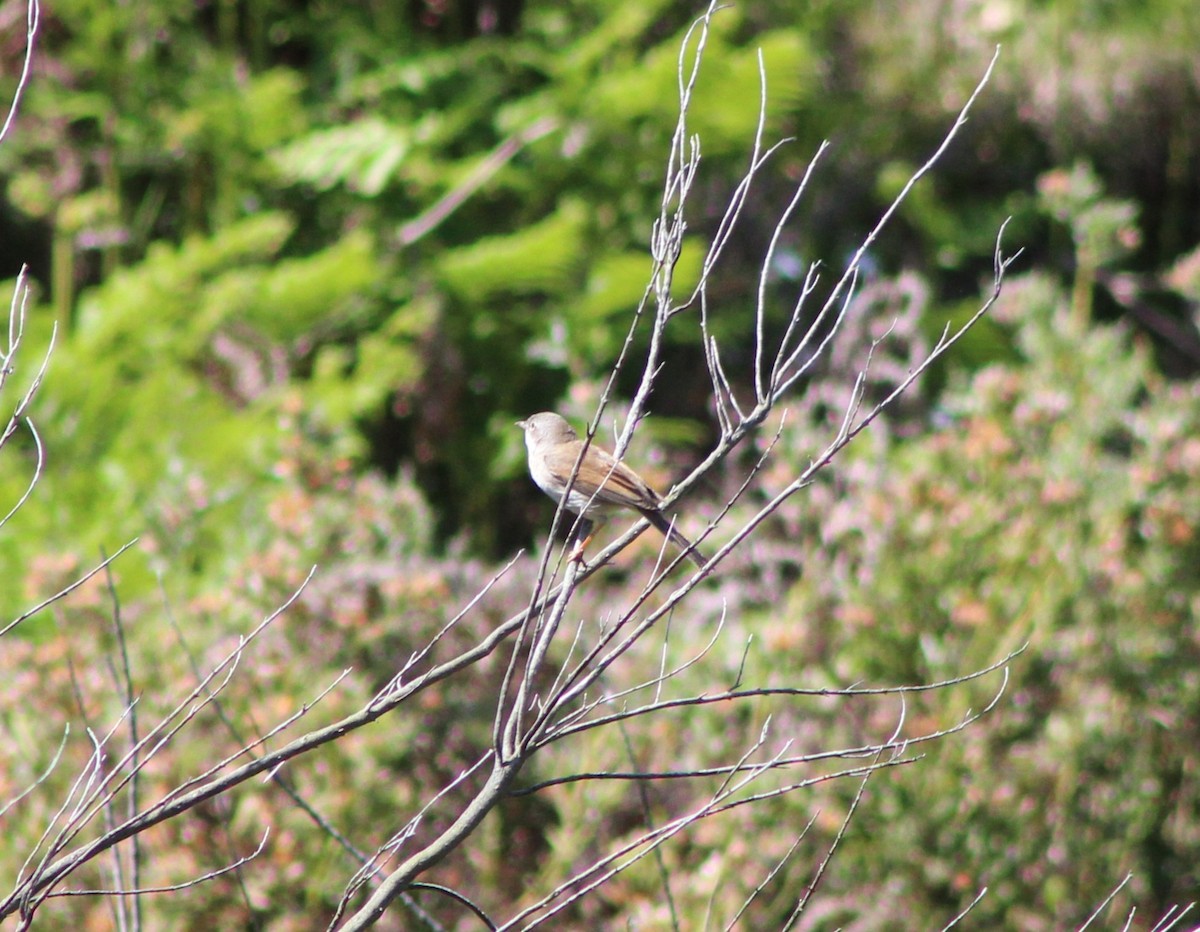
<point x="67" y="591"/>
<point x="174" y="887"/>
<point x="970" y="906"/>
<point x="32" y="16"/>
<point x="1108" y="899"/>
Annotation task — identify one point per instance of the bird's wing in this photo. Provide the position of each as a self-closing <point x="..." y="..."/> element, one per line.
<point x="619" y="485"/>
<point x="625" y="487"/>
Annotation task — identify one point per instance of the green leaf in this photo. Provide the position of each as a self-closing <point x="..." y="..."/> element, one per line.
<point x="542" y="257"/>
<point x="362" y="156"/>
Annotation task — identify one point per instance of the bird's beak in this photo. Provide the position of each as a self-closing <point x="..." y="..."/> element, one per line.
<point x="520" y="424"/>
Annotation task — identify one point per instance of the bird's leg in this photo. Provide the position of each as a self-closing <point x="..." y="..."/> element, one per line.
<point x="583" y="537"/>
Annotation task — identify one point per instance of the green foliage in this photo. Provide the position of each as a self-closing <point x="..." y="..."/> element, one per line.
<point x="362" y="156"/>
<point x="161" y="415"/>
<point x="649" y="93"/>
<point x="1103" y="229"/>
<point x="209" y="122"/>
<point x="538" y="259"/>
<point x="350" y="384"/>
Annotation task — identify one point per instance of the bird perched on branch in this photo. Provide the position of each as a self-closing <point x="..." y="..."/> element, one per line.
<point x="602" y="486"/>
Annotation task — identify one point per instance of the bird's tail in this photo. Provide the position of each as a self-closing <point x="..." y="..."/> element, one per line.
<point x="669" y="531"/>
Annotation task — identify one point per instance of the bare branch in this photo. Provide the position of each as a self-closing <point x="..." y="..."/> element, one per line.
<point x="175" y="887"/>
<point x="303" y="804"/>
<point x="1108" y="899"/>
<point x="732" y="924"/>
<point x="866" y="751"/>
<point x="126" y="688"/>
<point x="67" y="591"/>
<point x="970" y="906"/>
<point x="16" y="331"/>
<point x="458" y="898"/>
<point x="95" y="791"/>
<point x="33" y="481"/>
<point x="1173" y="917"/>
<point x="44" y="775"/>
<point x="32" y="15"/>
<point x="841" y="833"/>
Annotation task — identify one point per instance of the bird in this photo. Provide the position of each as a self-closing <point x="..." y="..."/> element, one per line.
<point x="602" y="486"/>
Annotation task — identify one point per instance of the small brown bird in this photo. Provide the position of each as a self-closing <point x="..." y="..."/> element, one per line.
<point x="602" y="486"/>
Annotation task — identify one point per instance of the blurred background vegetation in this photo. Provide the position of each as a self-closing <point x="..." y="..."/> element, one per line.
<point x="309" y="261"/>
